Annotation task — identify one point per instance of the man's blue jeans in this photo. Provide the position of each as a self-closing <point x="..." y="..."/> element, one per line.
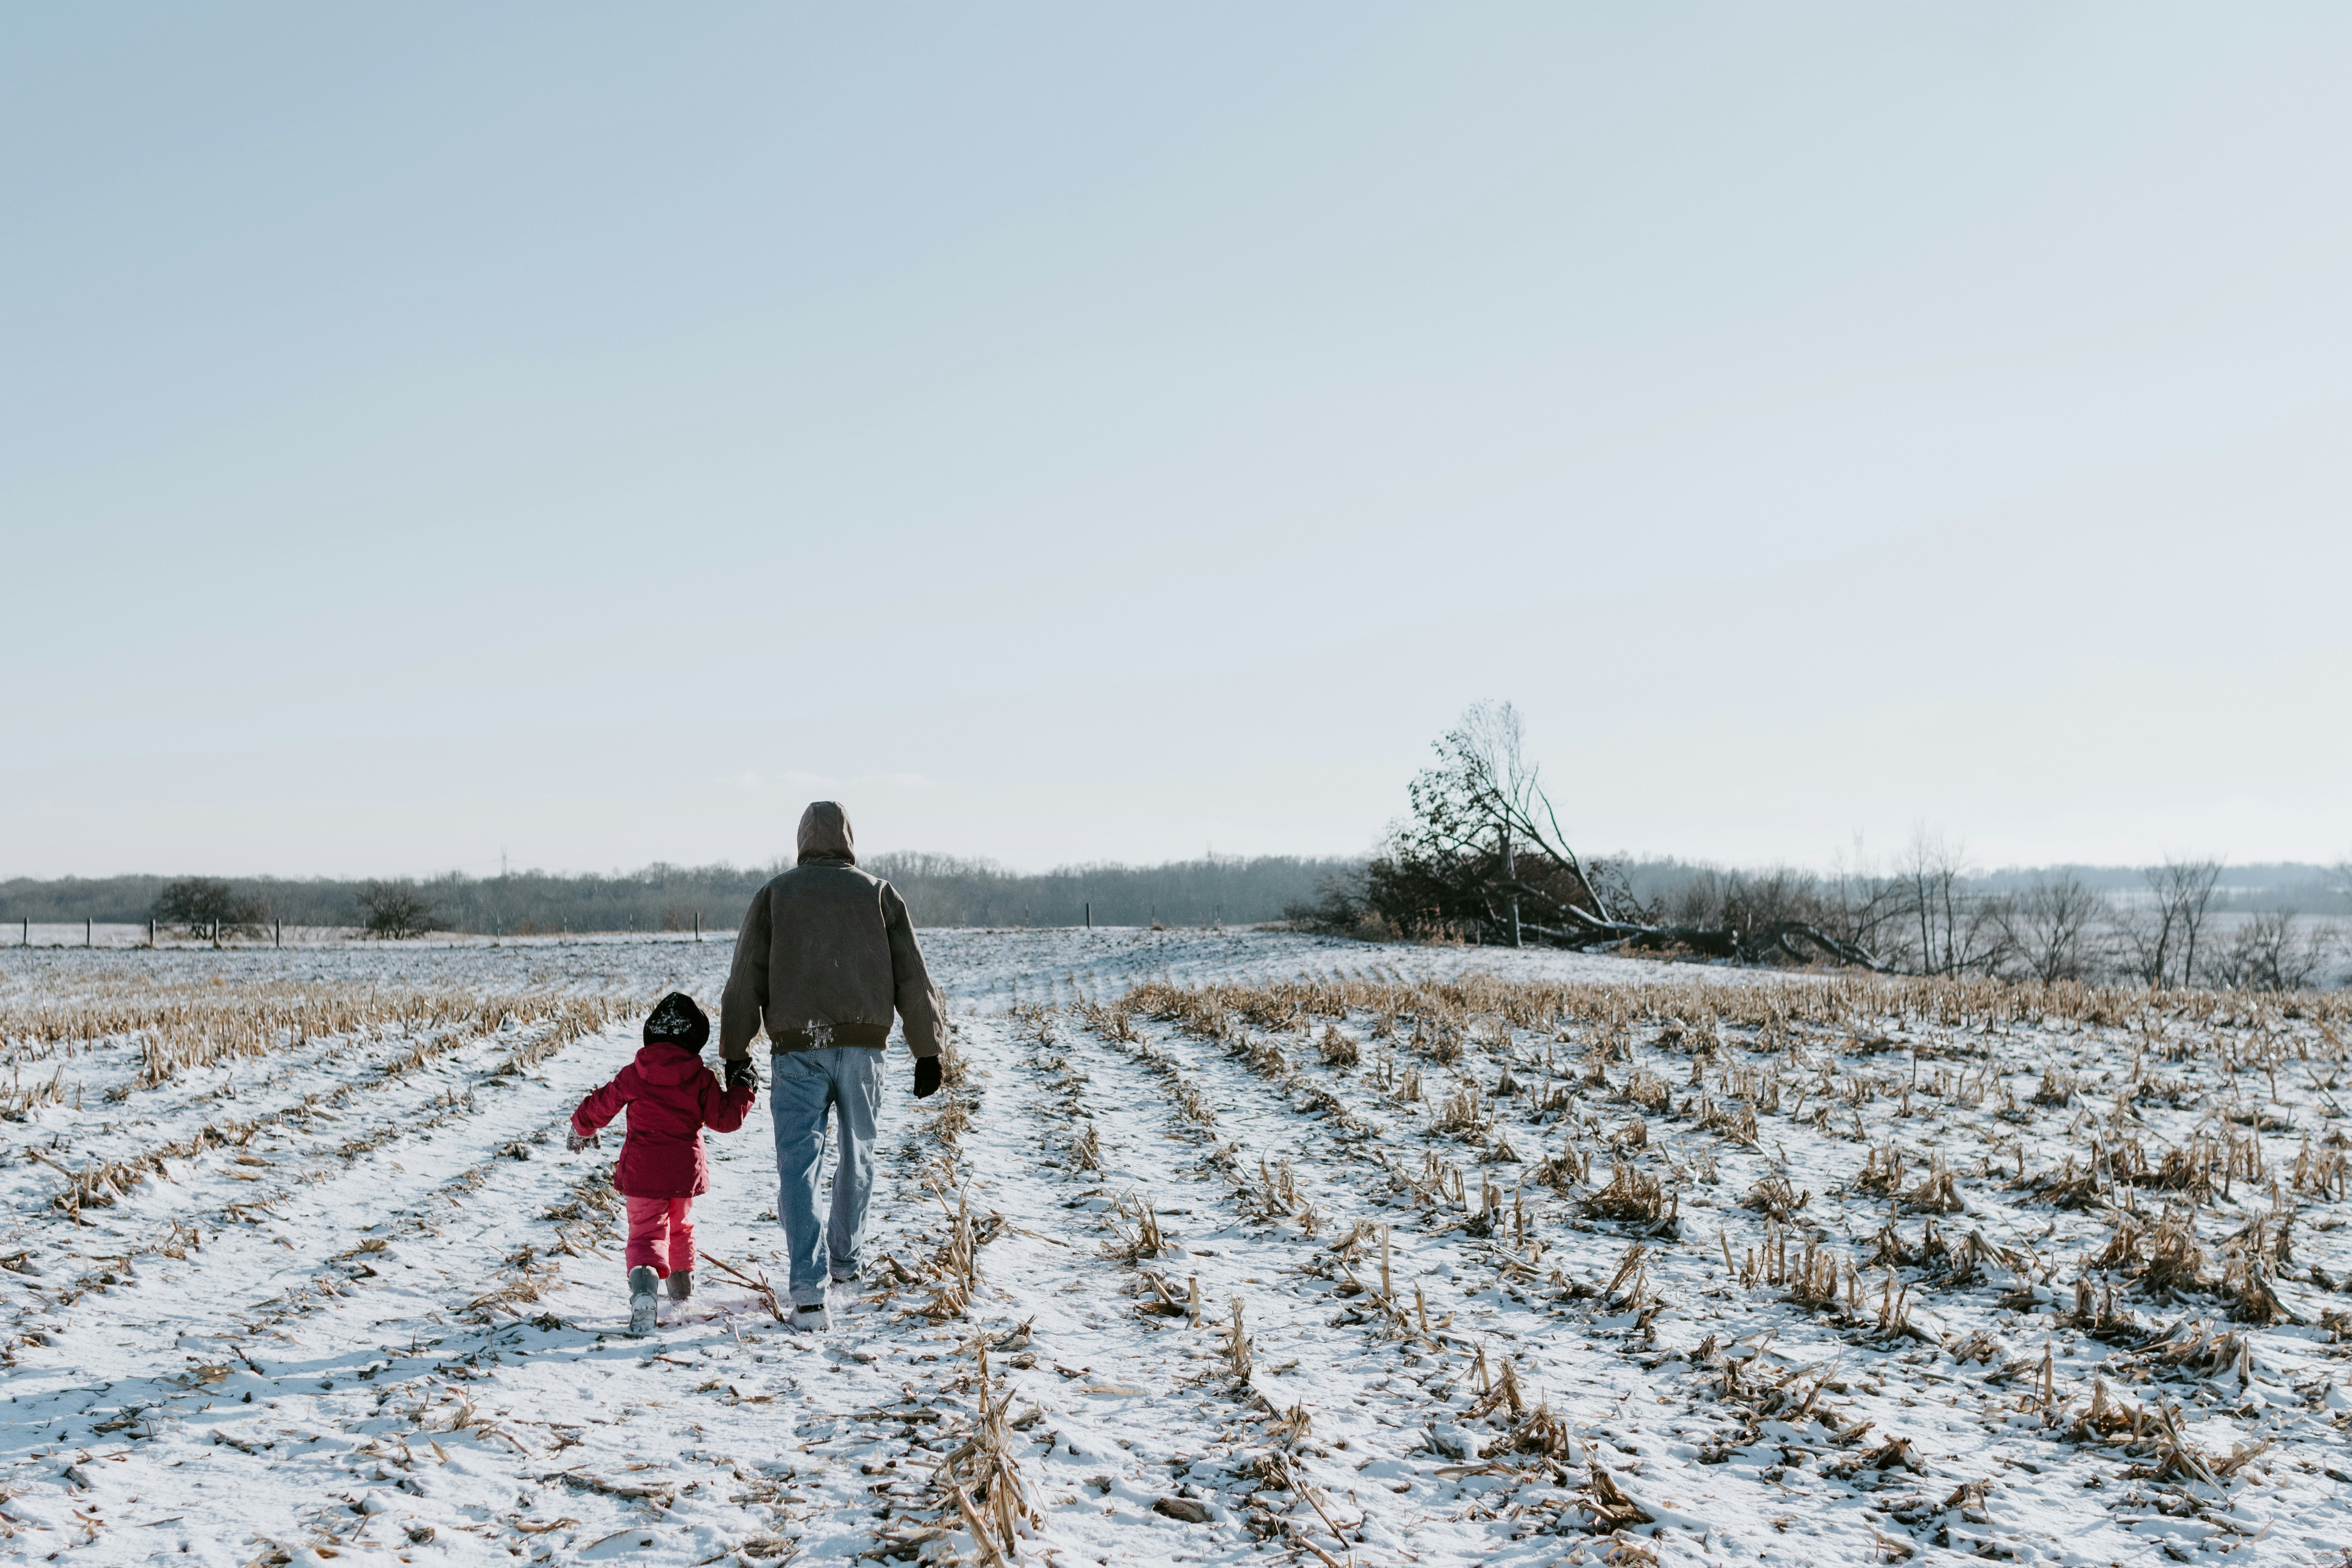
<point x="847" y="1080"/>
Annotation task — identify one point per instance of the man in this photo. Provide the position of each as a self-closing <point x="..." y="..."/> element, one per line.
<point x="826" y="955"/>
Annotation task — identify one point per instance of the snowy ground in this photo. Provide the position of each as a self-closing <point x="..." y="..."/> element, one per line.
<point x="295" y="1269"/>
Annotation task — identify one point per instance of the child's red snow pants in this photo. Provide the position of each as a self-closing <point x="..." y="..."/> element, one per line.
<point x="661" y="1234"/>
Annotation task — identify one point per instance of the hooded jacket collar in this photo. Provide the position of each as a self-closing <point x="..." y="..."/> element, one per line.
<point x="824" y="834"/>
<point x="666" y="1062"/>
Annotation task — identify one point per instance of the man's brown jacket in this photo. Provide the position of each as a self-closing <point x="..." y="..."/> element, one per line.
<point x="826" y="955"/>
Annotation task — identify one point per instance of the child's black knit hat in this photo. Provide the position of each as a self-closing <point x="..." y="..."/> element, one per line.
<point x="676" y="1020"/>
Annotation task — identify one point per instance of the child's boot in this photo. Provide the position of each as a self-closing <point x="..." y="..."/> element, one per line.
<point x="681" y="1284"/>
<point x="642" y="1300"/>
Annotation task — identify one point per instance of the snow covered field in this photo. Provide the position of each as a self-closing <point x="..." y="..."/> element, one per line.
<point x="1732" y="1268"/>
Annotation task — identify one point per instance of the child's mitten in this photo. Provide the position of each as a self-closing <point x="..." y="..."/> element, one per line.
<point x="574" y="1142"/>
<point x="741" y="1073"/>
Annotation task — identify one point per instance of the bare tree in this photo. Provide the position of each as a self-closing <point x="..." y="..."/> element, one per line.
<point x="1482" y="854"/>
<point x="398" y="909"/>
<point x="2189" y="884"/>
<point x="2161" y="939"/>
<point x="1491" y="771"/>
<point x="2051" y="927"/>
<point x="1931" y="868"/>
<point x="1862" y="907"/>
<point x="207" y="904"/>
<point x="1958" y="931"/>
<point x="1454" y="866"/>
<point x="2267" y="953"/>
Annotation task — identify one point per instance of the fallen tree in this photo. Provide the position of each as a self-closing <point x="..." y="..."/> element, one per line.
<point x="1482" y="858"/>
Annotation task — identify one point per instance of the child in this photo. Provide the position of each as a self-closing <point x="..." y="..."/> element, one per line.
<point x="671" y="1096"/>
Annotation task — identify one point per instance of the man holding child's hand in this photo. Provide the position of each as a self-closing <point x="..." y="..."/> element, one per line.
<point x="826" y="956"/>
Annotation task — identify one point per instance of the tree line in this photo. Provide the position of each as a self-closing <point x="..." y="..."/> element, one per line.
<point x="1927" y="914"/>
<point x="941" y="891"/>
<point x="1481" y="856"/>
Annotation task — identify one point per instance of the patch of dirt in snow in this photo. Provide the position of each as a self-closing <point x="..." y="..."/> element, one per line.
<point x="1218" y="1244"/>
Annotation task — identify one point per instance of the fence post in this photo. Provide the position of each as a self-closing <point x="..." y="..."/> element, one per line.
<point x="1090" y="914"/>
<point x="85" y="930"/>
<point x="698" y="925"/>
<point x="1511" y="874"/>
<point x="151" y="934"/>
<point x="277" y="933"/>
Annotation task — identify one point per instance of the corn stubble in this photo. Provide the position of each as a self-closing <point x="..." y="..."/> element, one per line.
<point x="1940" y="1087"/>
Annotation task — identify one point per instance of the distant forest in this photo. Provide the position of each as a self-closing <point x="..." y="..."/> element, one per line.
<point x="939" y="890"/>
<point x="942" y="890"/>
<point x="2282" y="887"/>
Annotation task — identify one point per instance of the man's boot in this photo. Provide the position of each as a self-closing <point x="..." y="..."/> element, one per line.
<point x="644" y="1285"/>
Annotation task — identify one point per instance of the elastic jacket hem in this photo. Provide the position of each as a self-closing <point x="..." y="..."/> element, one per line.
<point x="783" y="1041"/>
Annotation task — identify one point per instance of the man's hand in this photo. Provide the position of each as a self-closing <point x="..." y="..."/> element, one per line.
<point x="926" y="1077"/>
<point x="741" y="1073"/>
<point x="574" y="1142"/>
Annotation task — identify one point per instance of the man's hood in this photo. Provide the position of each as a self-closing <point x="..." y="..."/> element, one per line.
<point x="825" y="832"/>
<point x="667" y="1064"/>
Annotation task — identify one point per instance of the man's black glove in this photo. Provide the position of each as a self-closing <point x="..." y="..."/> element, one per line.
<point x="926" y="1077"/>
<point x="741" y="1073"/>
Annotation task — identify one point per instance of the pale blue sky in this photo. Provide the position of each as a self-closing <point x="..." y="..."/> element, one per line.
<point x="1063" y="433"/>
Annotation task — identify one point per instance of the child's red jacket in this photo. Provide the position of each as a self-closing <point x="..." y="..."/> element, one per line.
<point x="671" y="1096"/>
